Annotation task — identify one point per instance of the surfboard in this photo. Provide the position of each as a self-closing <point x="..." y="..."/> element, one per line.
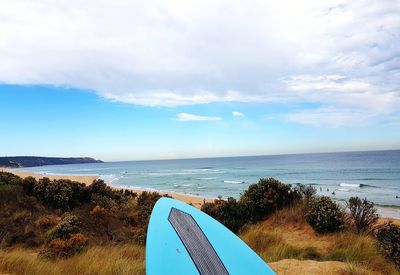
<point x="183" y="240"/>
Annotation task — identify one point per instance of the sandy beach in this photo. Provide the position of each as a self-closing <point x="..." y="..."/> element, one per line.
<point x="194" y="200"/>
<point x="84" y="179"/>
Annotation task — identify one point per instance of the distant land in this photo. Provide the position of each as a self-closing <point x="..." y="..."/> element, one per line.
<point x="29" y="161"/>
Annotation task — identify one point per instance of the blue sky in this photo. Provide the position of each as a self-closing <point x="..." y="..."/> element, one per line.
<point x="40" y="120"/>
<point x="170" y="79"/>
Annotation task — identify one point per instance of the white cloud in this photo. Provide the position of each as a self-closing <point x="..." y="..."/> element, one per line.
<point x="237" y="114"/>
<point x="191" y="117"/>
<point x="173" y="53"/>
<point x="328" y="117"/>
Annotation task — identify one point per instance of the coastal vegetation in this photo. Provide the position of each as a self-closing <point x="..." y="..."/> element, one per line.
<point x="324" y="215"/>
<point x="64" y="216"/>
<point x="64" y="227"/>
<point x="363" y="214"/>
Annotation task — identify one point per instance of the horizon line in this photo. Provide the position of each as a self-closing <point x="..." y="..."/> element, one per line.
<point x="219" y="157"/>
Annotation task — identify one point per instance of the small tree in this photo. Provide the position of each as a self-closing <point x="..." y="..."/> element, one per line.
<point x="99" y="187"/>
<point x="230" y="213"/>
<point x="388" y="236"/>
<point x="325" y="215"/>
<point x="363" y="214"/>
<point x="266" y="196"/>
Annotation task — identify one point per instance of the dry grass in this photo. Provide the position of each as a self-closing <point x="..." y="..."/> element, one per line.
<point x="285" y="240"/>
<point x="306" y="267"/>
<point x="127" y="259"/>
<point x="360" y="250"/>
<point x="286" y="235"/>
<point x="271" y="246"/>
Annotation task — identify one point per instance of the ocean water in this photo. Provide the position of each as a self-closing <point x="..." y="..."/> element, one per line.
<point x="374" y="175"/>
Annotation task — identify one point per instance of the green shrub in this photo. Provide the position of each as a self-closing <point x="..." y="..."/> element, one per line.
<point x="388" y="236"/>
<point x="99" y="187"/>
<point x="325" y="215"/>
<point x="40" y="189"/>
<point x="146" y="202"/>
<point x="28" y="185"/>
<point x="104" y="202"/>
<point x="230" y="213"/>
<point x="58" y="194"/>
<point x="257" y="202"/>
<point x="64" y="194"/>
<point x="64" y="229"/>
<point x="362" y="213"/>
<point x="267" y="196"/>
<point x="9" y="178"/>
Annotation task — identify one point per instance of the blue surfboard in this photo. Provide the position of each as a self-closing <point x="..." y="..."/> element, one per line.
<point x="183" y="240"/>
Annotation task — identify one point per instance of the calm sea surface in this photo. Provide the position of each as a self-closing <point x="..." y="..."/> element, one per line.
<point x="374" y="175"/>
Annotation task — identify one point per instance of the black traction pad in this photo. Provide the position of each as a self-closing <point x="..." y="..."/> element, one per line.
<point x="196" y="243"/>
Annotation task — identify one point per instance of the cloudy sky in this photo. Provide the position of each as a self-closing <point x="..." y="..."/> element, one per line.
<point x="168" y="79"/>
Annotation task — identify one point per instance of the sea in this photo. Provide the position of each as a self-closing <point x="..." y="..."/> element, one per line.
<point x="374" y="175"/>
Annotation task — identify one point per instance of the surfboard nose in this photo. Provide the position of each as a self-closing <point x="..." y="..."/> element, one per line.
<point x="183" y="240"/>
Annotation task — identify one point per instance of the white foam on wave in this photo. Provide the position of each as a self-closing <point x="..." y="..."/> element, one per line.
<point x="183" y="172"/>
<point x="343" y="184"/>
<point x="343" y="189"/>
<point x="183" y="185"/>
<point x="201" y="170"/>
<point x="110" y="178"/>
<point x="233" y="181"/>
<point x="92" y="169"/>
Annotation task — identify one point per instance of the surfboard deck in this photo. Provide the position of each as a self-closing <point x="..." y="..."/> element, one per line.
<point x="183" y="240"/>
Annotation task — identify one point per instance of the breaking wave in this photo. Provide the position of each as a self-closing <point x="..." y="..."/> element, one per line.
<point x="233" y="181"/>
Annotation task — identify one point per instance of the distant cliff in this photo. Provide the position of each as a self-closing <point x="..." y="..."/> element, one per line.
<point x="40" y="161"/>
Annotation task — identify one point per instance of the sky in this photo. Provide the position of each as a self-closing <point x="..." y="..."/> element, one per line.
<point x="127" y="80"/>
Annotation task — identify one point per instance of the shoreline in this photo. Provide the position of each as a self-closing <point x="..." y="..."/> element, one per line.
<point x="386" y="213"/>
<point x="86" y="179"/>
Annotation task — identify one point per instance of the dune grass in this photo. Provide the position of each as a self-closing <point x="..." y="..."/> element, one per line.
<point x="126" y="259"/>
<point x="271" y="246"/>
<point x="361" y="251"/>
<point x="286" y="235"/>
<point x="268" y="239"/>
